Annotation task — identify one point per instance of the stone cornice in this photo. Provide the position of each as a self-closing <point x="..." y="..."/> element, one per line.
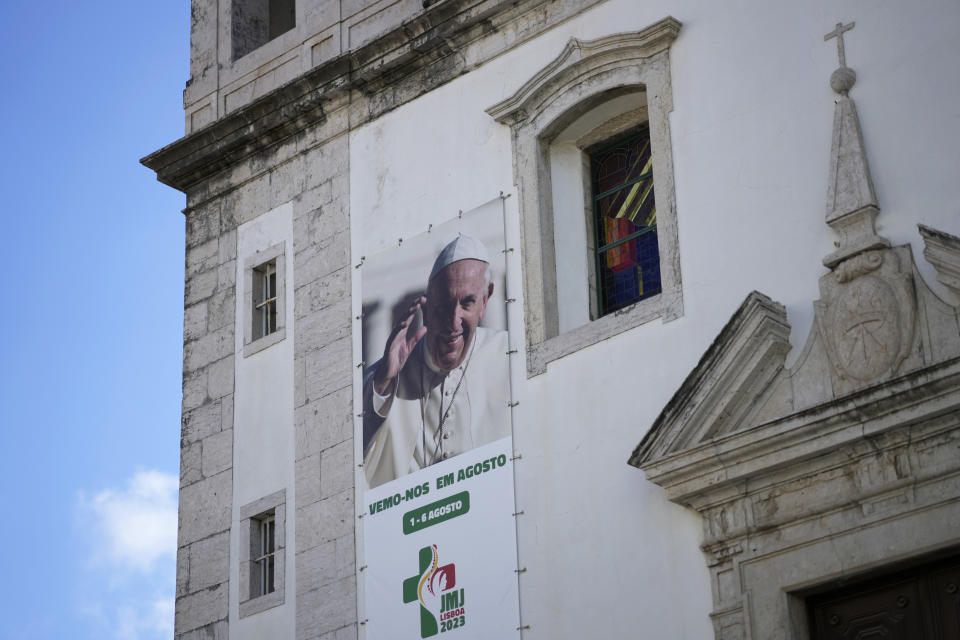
<point x="705" y="473"/>
<point x="410" y="48"/>
<point x="240" y="134"/>
<point x="942" y="250"/>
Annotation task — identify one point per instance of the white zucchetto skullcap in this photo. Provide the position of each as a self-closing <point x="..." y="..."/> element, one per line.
<point x="461" y="248"/>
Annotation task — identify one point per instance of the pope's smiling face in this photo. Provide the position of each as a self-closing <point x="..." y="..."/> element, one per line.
<point x="456" y="301"/>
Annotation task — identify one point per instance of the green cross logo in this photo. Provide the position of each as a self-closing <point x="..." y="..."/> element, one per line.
<point x="433" y="580"/>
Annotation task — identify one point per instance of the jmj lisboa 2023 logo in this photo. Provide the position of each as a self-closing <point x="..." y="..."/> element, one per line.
<point x="435" y="588"/>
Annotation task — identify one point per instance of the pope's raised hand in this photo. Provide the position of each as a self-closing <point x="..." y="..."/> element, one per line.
<point x="398" y="349"/>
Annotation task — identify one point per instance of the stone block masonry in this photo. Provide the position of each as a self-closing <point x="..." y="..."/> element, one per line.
<point x="325" y="515"/>
<point x="206" y="439"/>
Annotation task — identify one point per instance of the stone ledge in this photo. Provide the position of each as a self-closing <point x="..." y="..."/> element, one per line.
<point x="665" y="306"/>
<point x="722" y="465"/>
<point x="414" y="46"/>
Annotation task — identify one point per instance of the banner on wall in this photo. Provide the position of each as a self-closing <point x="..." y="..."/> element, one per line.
<point x="437" y="515"/>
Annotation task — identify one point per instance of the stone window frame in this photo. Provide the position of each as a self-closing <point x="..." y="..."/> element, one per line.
<point x="585" y="75"/>
<point x="275" y="253"/>
<point x="273" y="505"/>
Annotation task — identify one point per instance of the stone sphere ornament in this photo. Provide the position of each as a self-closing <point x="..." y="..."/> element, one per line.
<point x="843" y="79"/>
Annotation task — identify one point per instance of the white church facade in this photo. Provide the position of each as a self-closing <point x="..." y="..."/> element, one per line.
<point x="549" y="318"/>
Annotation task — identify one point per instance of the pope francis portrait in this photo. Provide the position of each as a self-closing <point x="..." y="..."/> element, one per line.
<point x="441" y="387"/>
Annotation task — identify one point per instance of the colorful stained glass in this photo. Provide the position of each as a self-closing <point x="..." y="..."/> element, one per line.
<point x="623" y="256"/>
<point x="628" y="259"/>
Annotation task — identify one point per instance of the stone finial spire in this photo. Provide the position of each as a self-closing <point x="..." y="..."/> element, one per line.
<point x="851" y="201"/>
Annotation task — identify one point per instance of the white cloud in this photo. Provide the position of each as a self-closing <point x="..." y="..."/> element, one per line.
<point x="127" y="618"/>
<point x="151" y="619"/>
<point x="129" y="542"/>
<point x="137" y="525"/>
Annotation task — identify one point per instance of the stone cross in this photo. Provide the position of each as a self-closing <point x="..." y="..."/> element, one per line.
<point x="838" y="34"/>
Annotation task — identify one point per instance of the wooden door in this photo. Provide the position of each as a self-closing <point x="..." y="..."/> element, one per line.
<point x="922" y="603"/>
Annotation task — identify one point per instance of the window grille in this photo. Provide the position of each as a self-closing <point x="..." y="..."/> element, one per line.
<point x="262" y="552"/>
<point x="266" y="561"/>
<point x="265" y="299"/>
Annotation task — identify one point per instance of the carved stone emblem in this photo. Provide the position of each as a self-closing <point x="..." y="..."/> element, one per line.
<point x="868" y="322"/>
<point x="863" y="328"/>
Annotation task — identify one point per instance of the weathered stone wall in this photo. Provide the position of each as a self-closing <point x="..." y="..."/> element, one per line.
<point x="323" y="398"/>
<point x="224" y="78"/>
<point x="206" y="463"/>
<point x="309" y="169"/>
<point x="382" y="32"/>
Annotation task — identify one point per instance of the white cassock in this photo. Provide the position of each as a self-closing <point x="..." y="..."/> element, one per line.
<point x="434" y="415"/>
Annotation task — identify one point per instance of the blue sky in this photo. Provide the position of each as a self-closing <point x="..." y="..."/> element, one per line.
<point x="91" y="346"/>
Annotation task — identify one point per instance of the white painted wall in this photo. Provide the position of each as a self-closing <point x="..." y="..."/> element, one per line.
<point x="751" y="126"/>
<point x="263" y="440"/>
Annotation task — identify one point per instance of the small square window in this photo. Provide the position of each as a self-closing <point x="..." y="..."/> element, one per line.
<point x="264" y="306"/>
<point x="625" y="222"/>
<point x="262" y="549"/>
<point x="264" y="299"/>
<point x="257" y="22"/>
<point x="263" y="567"/>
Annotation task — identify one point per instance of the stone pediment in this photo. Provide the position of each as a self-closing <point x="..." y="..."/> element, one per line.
<point x="845" y="461"/>
<point x="876" y="322"/>
<point x="806" y="475"/>
<point x="729" y="383"/>
<point x="876" y="318"/>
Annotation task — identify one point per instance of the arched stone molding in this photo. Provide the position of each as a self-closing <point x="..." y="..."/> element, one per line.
<point x="583" y="76"/>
